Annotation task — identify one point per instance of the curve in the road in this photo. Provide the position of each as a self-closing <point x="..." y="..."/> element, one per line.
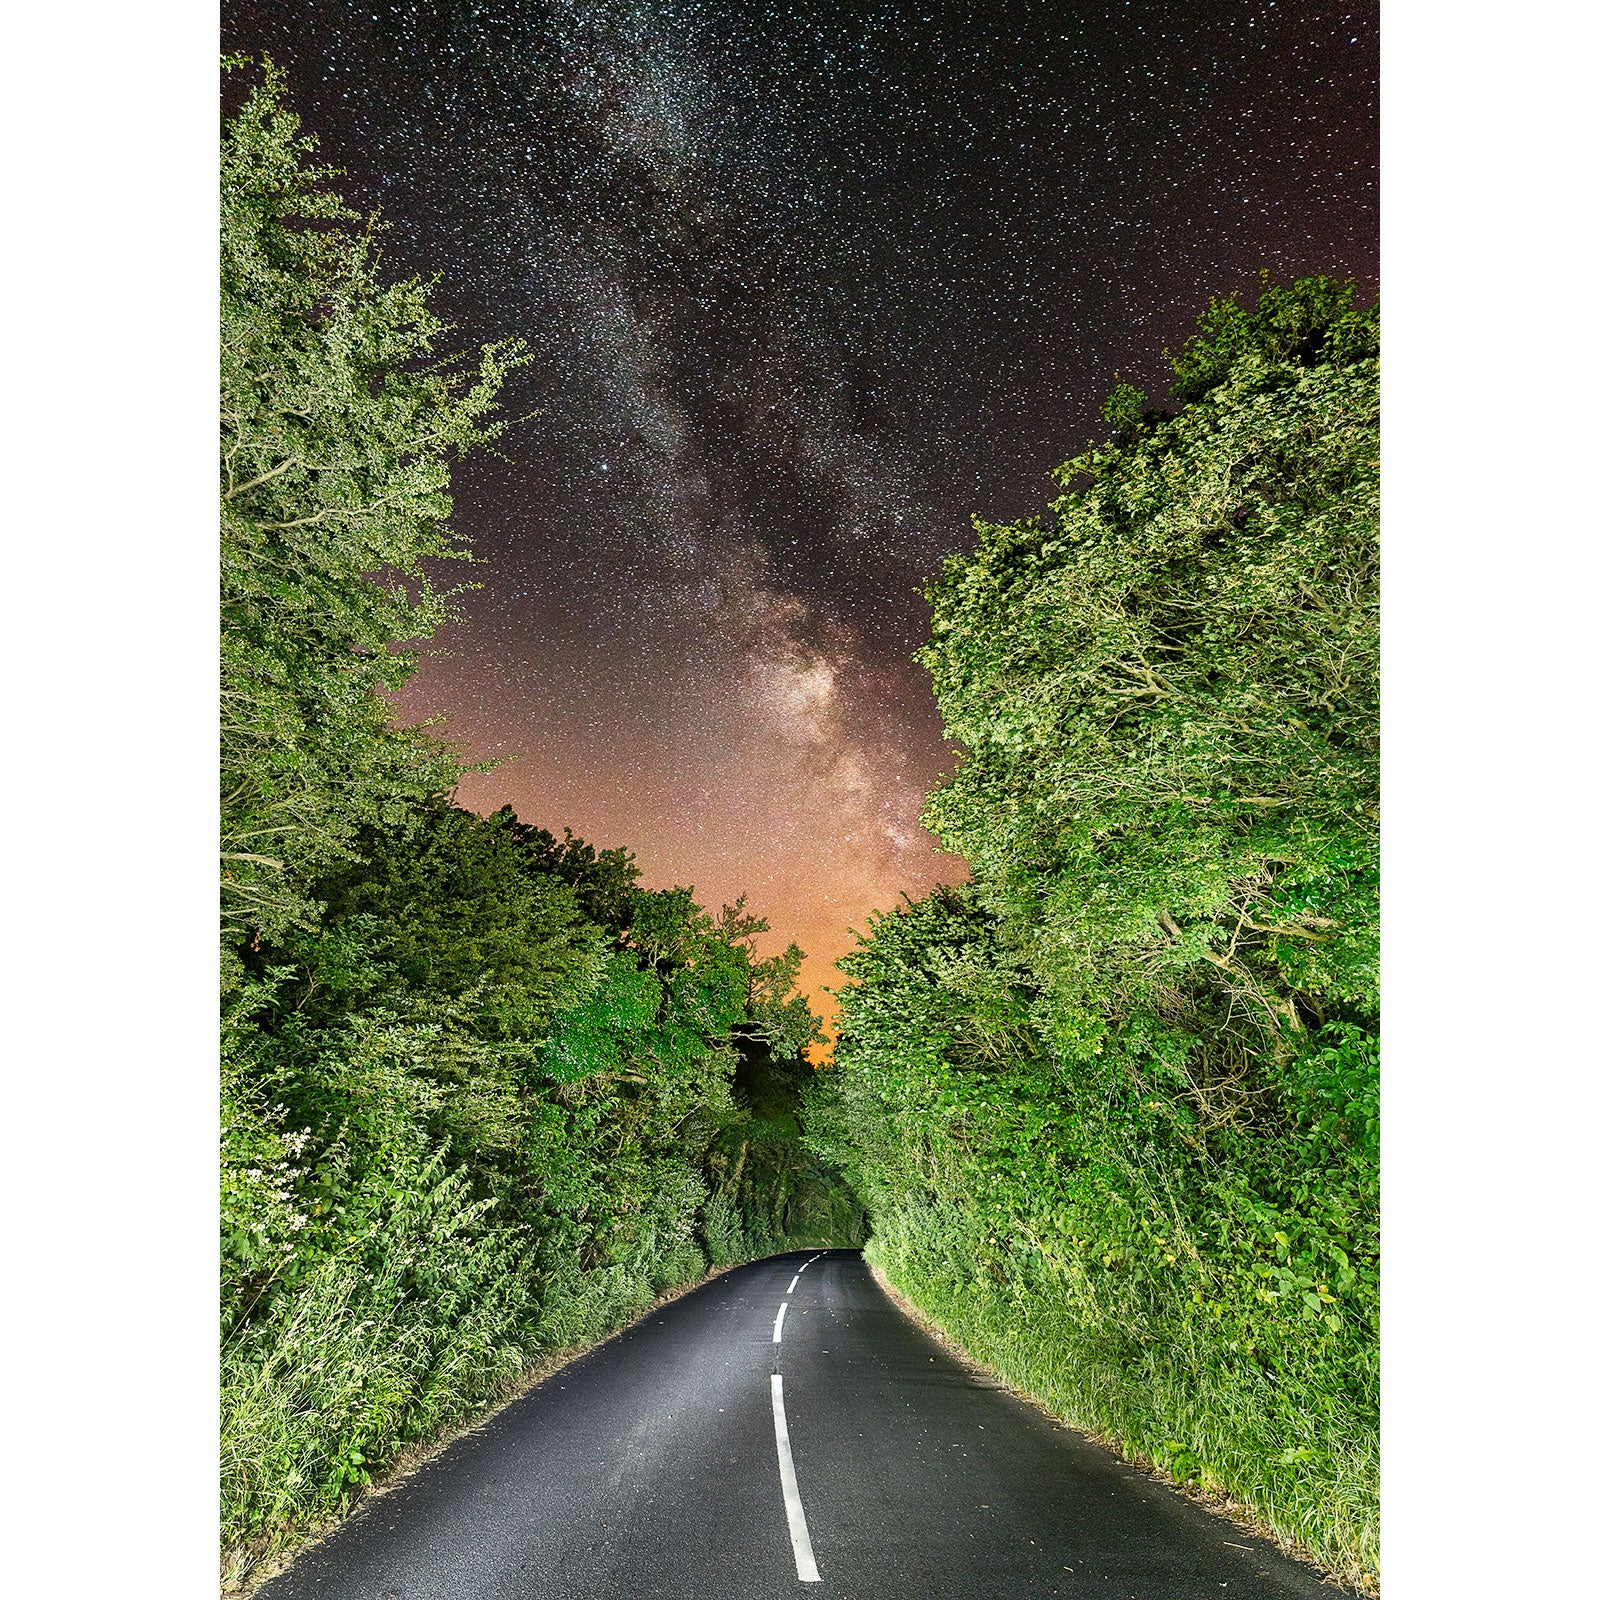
<point x="647" y="1468"/>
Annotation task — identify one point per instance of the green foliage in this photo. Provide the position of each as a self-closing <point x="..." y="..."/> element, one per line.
<point x="338" y="425"/>
<point x="457" y="910"/>
<point x="602" y="880"/>
<point x="1111" y="1106"/>
<point x="1311" y="321"/>
<point x="1125" y="407"/>
<point x="478" y="1086"/>
<point x="1167" y="691"/>
<point x="465" y="1127"/>
<point x="771" y="1193"/>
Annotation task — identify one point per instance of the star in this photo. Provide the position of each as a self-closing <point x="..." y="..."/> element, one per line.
<point x="806" y="288"/>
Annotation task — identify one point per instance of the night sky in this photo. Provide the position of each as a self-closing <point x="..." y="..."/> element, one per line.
<point x="806" y="287"/>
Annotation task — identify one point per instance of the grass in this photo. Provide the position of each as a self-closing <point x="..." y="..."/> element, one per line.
<point x="1293" y="1461"/>
<point x="359" y="1375"/>
<point x="324" y="1405"/>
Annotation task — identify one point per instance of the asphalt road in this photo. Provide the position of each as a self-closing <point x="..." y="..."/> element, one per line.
<point x="656" y="1466"/>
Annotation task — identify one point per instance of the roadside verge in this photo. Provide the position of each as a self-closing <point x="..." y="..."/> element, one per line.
<point x="281" y="1550"/>
<point x="1242" y="1515"/>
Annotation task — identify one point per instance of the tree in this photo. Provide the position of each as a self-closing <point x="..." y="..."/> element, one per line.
<point x="1167" y="690"/>
<point x="339" y="422"/>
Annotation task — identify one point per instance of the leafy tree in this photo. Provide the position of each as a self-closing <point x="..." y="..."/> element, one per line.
<point x="1311" y="322"/>
<point x="456" y="910"/>
<point x="778" y="1014"/>
<point x="1167" y="692"/>
<point x="339" y="421"/>
<point x="602" y="880"/>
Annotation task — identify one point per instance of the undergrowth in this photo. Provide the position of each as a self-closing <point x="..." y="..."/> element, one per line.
<point x="1301" y="1463"/>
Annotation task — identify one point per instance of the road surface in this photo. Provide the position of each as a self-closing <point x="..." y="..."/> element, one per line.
<point x="783" y="1431"/>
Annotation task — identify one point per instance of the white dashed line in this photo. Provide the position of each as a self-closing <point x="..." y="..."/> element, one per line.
<point x="777" y="1327"/>
<point x="792" y="1282"/>
<point x="805" y="1564"/>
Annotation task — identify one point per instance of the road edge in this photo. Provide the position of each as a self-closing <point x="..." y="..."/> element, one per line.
<point x="416" y="1456"/>
<point x="1212" y="1500"/>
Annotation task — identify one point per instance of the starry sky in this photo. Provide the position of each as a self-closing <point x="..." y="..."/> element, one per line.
<point x="806" y="286"/>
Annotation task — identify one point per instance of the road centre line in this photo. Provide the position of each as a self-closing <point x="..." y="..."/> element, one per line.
<point x="805" y="1563"/>
<point x="792" y="1282"/>
<point x="777" y="1327"/>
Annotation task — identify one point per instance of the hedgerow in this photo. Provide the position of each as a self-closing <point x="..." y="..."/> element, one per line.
<point x="1112" y="1105"/>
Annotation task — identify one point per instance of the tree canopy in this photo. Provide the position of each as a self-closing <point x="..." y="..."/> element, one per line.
<point x="339" y="422"/>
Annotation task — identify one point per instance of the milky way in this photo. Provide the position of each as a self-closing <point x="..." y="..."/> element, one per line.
<point x="806" y="287"/>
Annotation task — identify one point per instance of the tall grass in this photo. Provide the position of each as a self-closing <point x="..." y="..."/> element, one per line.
<point x="412" y="1331"/>
<point x="1160" y="1380"/>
